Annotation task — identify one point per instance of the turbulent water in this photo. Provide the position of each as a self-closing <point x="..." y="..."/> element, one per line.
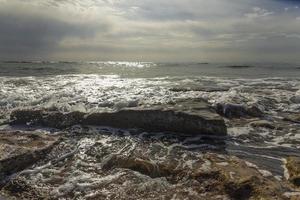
<point x="102" y="86"/>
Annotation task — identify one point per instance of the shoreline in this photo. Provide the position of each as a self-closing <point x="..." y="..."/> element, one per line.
<point x="133" y="153"/>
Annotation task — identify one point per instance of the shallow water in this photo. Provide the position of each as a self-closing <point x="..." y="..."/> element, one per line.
<point x="102" y="86"/>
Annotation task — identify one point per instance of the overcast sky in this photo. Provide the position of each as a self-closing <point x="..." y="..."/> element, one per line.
<point x="150" y="30"/>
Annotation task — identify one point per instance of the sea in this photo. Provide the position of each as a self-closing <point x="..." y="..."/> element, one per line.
<point x="274" y="88"/>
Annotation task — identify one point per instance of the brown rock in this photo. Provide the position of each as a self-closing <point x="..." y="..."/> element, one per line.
<point x="292" y="117"/>
<point x="293" y="166"/>
<point x="143" y="166"/>
<point x="18" y="150"/>
<point x="263" y="124"/>
<point x="243" y="181"/>
<point x="236" y="179"/>
<point x="19" y="186"/>
<point x="212" y="175"/>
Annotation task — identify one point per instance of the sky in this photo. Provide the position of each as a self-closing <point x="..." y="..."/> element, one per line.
<point x="151" y="30"/>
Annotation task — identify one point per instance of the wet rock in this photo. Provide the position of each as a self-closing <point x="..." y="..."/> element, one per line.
<point x="108" y="167"/>
<point x="243" y="189"/>
<point x="190" y="117"/>
<point x="254" y="111"/>
<point x="152" y="119"/>
<point x="143" y="166"/>
<point x="295" y="99"/>
<point x="241" y="181"/>
<point x="19" y="186"/>
<point x="235" y="181"/>
<point x="18" y="150"/>
<point x="60" y="120"/>
<point x="292" y="117"/>
<point x="231" y="110"/>
<point x="263" y="124"/>
<point x="235" y="178"/>
<point x="53" y="119"/>
<point x="293" y="166"/>
<point x="27" y="116"/>
<point x="238" y="111"/>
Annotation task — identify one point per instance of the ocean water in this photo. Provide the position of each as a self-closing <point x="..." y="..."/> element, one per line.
<point x="151" y="70"/>
<point x="103" y="86"/>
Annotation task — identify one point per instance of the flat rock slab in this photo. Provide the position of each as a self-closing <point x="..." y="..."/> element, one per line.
<point x="188" y="117"/>
<point x="19" y="150"/>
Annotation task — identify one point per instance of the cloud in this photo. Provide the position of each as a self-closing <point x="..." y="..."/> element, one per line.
<point x="258" y="13"/>
<point x="159" y="30"/>
<point x="27" y="31"/>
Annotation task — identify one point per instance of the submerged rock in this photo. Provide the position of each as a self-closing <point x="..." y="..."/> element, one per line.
<point x="263" y="124"/>
<point x="292" y="117"/>
<point x="239" y="66"/>
<point x="19" y="150"/>
<point x="293" y="167"/>
<point x="198" y="88"/>
<point x="189" y="117"/>
<point x="238" y="111"/>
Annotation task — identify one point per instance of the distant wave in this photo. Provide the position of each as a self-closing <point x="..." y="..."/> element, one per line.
<point x="203" y="63"/>
<point x="129" y="64"/>
<point x="239" y="66"/>
<point x="38" y="62"/>
<point x="17" y="62"/>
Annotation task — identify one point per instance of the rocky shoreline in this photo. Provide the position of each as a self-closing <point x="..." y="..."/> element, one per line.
<point x="77" y="160"/>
